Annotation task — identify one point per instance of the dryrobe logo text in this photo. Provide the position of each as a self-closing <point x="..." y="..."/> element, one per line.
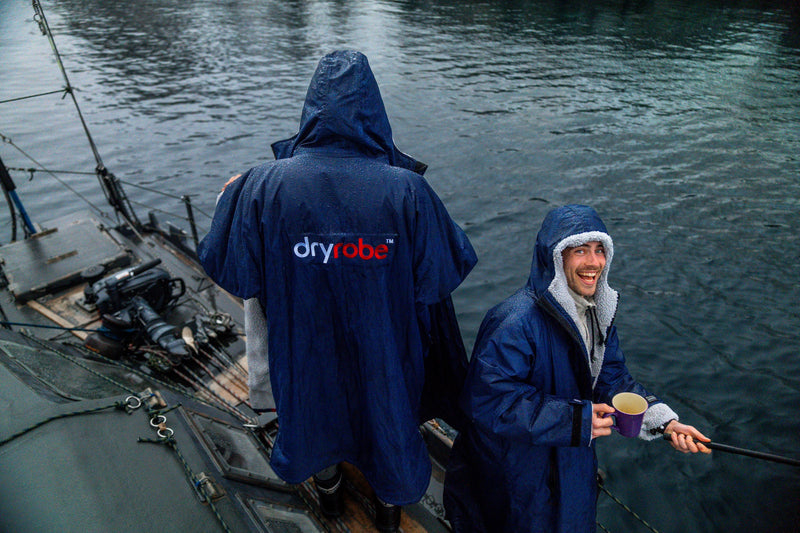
<point x="330" y="249"/>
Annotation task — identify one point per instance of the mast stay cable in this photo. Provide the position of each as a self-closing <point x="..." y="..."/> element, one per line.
<point x="109" y="183"/>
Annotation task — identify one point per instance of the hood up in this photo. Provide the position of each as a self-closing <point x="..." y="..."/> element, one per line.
<point x="566" y="227"/>
<point x="344" y="111"/>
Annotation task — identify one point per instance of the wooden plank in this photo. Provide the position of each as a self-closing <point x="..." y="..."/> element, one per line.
<point x="56" y="318"/>
<point x="356" y="516"/>
<point x="65" y="311"/>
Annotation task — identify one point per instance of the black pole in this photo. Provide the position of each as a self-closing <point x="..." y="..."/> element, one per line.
<point x="188" y="201"/>
<point x="8" y="185"/>
<point x="743" y="451"/>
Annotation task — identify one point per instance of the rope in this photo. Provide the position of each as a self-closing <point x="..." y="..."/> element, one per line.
<point x="115" y="405"/>
<point x="78" y="363"/>
<point x="202" y="212"/>
<point x="220" y="403"/>
<point x="27" y="325"/>
<point x="631" y="511"/>
<point x="171" y="386"/>
<point x="216" y="380"/>
<point x="193" y="480"/>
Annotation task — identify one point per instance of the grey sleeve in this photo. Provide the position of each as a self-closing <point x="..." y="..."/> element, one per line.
<point x="255" y="329"/>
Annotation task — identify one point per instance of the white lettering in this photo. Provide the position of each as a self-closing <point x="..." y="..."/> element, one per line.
<point x="297" y="248"/>
<point x="327" y="252"/>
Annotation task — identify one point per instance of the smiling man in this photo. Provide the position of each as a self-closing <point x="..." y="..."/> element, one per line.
<point x="545" y="366"/>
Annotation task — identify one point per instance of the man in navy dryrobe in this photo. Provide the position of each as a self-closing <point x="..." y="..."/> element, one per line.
<point x="545" y="366"/>
<point x="351" y="255"/>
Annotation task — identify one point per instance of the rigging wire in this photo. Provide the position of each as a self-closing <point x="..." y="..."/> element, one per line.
<point x="630" y="511"/>
<point x="17" y="99"/>
<point x="42" y="168"/>
<point x="41" y="20"/>
<point x="157" y="210"/>
<point x="97" y="209"/>
<point x="52" y="172"/>
<point x="31" y="170"/>
<point x="109" y="183"/>
<point x="168" y="195"/>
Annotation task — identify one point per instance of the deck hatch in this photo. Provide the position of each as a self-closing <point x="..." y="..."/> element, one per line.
<point x="235" y="451"/>
<point x="55" y="258"/>
<point x="279" y="519"/>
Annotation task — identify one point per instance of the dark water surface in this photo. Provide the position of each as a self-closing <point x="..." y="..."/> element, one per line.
<point x="679" y="121"/>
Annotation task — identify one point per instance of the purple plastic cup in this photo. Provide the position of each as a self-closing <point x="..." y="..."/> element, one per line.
<point x="628" y="413"/>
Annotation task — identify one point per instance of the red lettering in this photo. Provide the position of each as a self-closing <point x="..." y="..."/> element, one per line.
<point x="350" y="246"/>
<point x="380" y="251"/>
<point x="336" y="250"/>
<point x="362" y="248"/>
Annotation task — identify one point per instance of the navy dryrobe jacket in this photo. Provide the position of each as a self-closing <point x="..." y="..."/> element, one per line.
<point x="352" y="256"/>
<point x="527" y="463"/>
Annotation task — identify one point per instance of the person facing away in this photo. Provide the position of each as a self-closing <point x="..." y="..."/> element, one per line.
<point x="545" y="366"/>
<point x="351" y="255"/>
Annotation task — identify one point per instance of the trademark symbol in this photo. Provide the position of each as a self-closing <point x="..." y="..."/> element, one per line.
<point x="389" y="241"/>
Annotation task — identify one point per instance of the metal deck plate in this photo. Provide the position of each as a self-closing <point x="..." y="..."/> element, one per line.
<point x="55" y="258"/>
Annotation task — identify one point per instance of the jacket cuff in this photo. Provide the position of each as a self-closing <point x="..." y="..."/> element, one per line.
<point x="581" y="423"/>
<point x="655" y="415"/>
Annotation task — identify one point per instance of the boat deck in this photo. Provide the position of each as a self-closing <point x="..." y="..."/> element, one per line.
<point x="46" y="372"/>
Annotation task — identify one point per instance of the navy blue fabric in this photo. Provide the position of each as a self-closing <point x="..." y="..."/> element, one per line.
<point x="445" y="364"/>
<point x="347" y="248"/>
<point x="518" y="466"/>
